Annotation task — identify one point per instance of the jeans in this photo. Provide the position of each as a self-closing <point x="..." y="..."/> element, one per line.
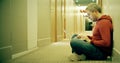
<point x="81" y="47"/>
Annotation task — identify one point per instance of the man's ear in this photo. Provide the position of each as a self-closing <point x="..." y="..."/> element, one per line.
<point x="96" y="11"/>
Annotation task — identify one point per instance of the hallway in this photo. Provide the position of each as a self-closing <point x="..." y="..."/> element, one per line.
<point x="53" y="53"/>
<point x="33" y="31"/>
<point x="56" y="53"/>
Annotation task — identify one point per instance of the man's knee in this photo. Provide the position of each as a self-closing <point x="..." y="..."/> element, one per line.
<point x="75" y="42"/>
<point x="74" y="36"/>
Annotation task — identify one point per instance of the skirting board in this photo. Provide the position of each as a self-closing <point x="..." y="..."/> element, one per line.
<point x="14" y="56"/>
<point x="5" y="53"/>
<point x="43" y="42"/>
<point x="118" y="52"/>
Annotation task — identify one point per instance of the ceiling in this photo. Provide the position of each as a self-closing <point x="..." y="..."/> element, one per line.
<point x="84" y="2"/>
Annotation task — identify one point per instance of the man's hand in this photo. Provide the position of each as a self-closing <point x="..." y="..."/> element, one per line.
<point x="83" y="37"/>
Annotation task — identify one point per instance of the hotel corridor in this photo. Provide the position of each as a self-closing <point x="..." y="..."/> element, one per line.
<point x="56" y="53"/>
<point x="39" y="31"/>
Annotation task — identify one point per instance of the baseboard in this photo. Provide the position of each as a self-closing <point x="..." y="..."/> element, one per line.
<point x="116" y="51"/>
<point x="43" y="42"/>
<point x="14" y="56"/>
<point x="59" y="37"/>
<point x="5" y="53"/>
<point x="66" y="40"/>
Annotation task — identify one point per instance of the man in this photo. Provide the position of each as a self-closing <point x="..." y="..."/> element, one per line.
<point x="100" y="44"/>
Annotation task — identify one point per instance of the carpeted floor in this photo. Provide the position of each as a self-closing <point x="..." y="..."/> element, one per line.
<point x="55" y="53"/>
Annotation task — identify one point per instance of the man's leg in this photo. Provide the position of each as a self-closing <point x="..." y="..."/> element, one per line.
<point x="73" y="36"/>
<point x="81" y="47"/>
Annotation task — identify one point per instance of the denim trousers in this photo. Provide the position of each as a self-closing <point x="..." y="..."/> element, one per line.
<point x="89" y="50"/>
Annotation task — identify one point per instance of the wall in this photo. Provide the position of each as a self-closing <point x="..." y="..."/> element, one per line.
<point x="32" y="20"/>
<point x="53" y="20"/>
<point x="79" y="20"/>
<point x="44" y="23"/>
<point x="5" y="31"/>
<point x="111" y="8"/>
<point x="59" y="21"/>
<point x="65" y="16"/>
<point x="74" y="19"/>
<point x="69" y="18"/>
<point x="24" y="25"/>
<point x="18" y="21"/>
<point x="13" y="37"/>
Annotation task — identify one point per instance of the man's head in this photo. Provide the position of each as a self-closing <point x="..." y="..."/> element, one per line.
<point x="93" y="10"/>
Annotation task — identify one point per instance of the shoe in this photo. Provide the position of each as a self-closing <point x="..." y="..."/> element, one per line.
<point x="76" y="57"/>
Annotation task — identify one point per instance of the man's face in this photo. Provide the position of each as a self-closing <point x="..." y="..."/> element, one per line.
<point x="92" y="15"/>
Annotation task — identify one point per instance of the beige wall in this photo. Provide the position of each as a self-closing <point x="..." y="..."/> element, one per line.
<point x="65" y="14"/>
<point x="32" y="20"/>
<point x="5" y="30"/>
<point x="44" y="22"/>
<point x="80" y="23"/>
<point x="111" y="7"/>
<point x="53" y="20"/>
<point x="69" y="17"/>
<point x="5" y="24"/>
<point x="74" y="19"/>
<point x="18" y="21"/>
<point x="59" y="20"/>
